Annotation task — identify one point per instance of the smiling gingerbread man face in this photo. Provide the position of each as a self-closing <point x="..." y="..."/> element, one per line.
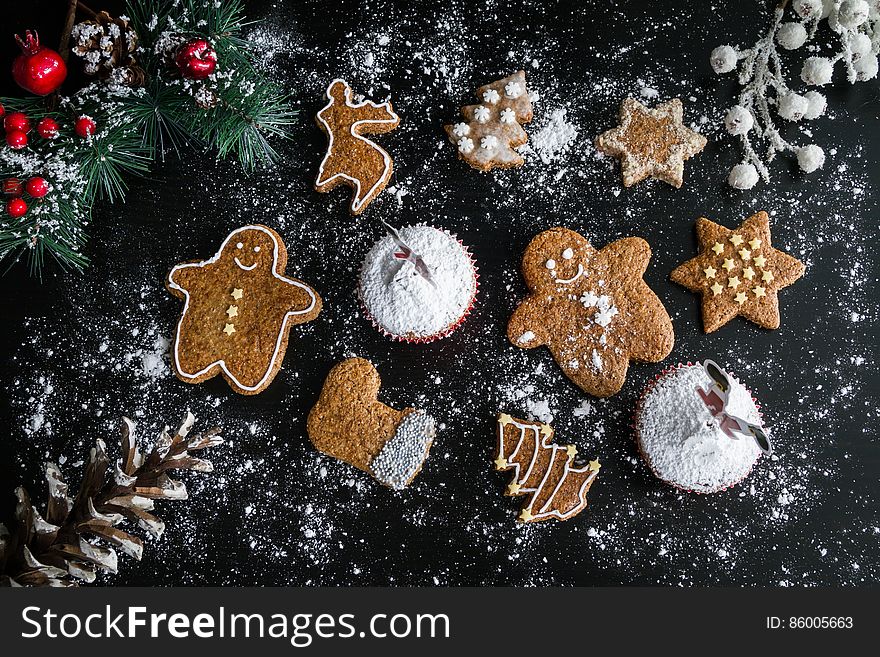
<point x="591" y="308"/>
<point x="250" y="249"/>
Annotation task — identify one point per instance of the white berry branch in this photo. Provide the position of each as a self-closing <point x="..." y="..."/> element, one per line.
<point x="763" y="84"/>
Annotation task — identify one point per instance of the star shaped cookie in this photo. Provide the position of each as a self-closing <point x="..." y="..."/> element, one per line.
<point x="651" y="142"/>
<point x="591" y="308"/>
<point x="748" y="285"/>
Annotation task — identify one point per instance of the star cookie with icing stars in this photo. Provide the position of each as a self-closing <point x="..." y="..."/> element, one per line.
<point x="755" y="279"/>
<point x="651" y="142"/>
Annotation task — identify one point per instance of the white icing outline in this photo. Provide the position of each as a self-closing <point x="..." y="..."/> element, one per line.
<point x="356" y="202"/>
<point x="241" y="266"/>
<point x="281" y="332"/>
<point x="573" y="278"/>
<point x="541" y="440"/>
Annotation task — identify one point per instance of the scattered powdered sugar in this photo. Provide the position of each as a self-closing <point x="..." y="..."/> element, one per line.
<point x="404" y="302"/>
<point x="555" y="138"/>
<point x="683" y="442"/>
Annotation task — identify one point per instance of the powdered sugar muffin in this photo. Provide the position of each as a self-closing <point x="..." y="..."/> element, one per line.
<point x="419" y="288"/>
<point x="681" y="440"/>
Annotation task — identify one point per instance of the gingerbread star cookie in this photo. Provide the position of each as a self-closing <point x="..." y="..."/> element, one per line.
<point x="738" y="272"/>
<point x="351" y="158"/>
<point x="651" y="142"/>
<point x="491" y="130"/>
<point x="350" y="424"/>
<point x="556" y="488"/>
<point x="238" y="311"/>
<point x="591" y="308"/>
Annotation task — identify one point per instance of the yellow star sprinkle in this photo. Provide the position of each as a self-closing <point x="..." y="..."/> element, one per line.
<point x="740" y="298"/>
<point x="736" y="240"/>
<point x="229" y="329"/>
<point x="571" y="450"/>
<point x="748" y="273"/>
<point x="501" y="463"/>
<point x="237" y="293"/>
<point x="767" y="276"/>
<point x="526" y="515"/>
<point x="716" y="289"/>
<point x="232" y="311"/>
<point x="710" y="272"/>
<point x="759" y="291"/>
<point x="745" y="254"/>
<point x="546" y="430"/>
<point x="513" y="489"/>
<point x="718" y="248"/>
<point x="760" y="261"/>
<point x="733" y="282"/>
<point x="504" y="418"/>
<point x="728" y="264"/>
<point x="755" y="244"/>
<point x="595" y="465"/>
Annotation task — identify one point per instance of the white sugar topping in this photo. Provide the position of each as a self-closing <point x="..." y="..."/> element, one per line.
<point x="683" y="442"/>
<point x="403" y="302"/>
<point x="401" y="457"/>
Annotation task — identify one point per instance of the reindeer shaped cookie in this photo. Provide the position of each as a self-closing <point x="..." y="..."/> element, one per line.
<point x="591" y="308"/>
<point x="350" y="424"/>
<point x="351" y="158"/>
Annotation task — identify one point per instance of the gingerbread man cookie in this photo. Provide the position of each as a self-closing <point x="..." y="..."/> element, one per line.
<point x="591" y="308"/>
<point x="557" y="489"/>
<point x="350" y="424"/>
<point x="351" y="158"/>
<point x="492" y="129"/>
<point x="738" y="272"/>
<point x="238" y="311"/>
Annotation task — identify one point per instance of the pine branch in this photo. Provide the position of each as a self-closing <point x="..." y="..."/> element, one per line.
<point x="79" y="536"/>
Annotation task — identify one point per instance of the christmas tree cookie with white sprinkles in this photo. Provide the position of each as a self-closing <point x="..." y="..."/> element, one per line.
<point x="738" y="272"/>
<point x="238" y="310"/>
<point x="350" y="424"/>
<point x="556" y="488"/>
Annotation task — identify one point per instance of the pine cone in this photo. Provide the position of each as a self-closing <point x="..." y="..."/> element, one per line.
<point x="108" y="45"/>
<point x="65" y="545"/>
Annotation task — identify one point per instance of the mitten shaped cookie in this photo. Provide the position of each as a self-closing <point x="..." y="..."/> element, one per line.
<point x="238" y="311"/>
<point x="591" y="308"/>
<point x="350" y="424"/>
<point x="351" y="158"/>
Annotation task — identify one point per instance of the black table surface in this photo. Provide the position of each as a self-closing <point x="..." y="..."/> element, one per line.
<point x="81" y="350"/>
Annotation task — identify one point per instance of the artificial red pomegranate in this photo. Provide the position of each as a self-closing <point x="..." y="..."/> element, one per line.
<point x="37" y="69"/>
<point x="196" y="59"/>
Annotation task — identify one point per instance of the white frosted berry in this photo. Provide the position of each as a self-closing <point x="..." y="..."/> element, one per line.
<point x="792" y="106"/>
<point x="743" y="176"/>
<point x="859" y="44"/>
<point x="817" y="104"/>
<point x="808" y="8"/>
<point x="738" y="120"/>
<point x="817" y="71"/>
<point x="791" y="36"/>
<point x="866" y="67"/>
<point x="723" y="59"/>
<point x="852" y="13"/>
<point x="810" y="158"/>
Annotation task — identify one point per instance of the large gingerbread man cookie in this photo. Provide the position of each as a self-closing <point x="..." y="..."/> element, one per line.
<point x="238" y="311"/>
<point x="350" y="424"/>
<point x="591" y="308"/>
<point x="351" y="158"/>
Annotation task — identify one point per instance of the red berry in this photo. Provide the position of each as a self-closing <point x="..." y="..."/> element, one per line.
<point x="17" y="121"/>
<point x="12" y="187"/>
<point x="16" y="208"/>
<point x="85" y="126"/>
<point x="16" y="139"/>
<point x="2" y="111"/>
<point x="37" y="187"/>
<point x="48" y="128"/>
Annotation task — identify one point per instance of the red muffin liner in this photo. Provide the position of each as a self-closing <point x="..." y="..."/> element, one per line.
<point x="635" y="426"/>
<point x="425" y="339"/>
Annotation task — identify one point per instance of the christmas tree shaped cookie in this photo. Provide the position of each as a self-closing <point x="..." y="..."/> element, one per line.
<point x="351" y="158"/>
<point x="238" y="311"/>
<point x="591" y="308"/>
<point x="545" y="472"/>
<point x="738" y="272"/>
<point x="491" y="130"/>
